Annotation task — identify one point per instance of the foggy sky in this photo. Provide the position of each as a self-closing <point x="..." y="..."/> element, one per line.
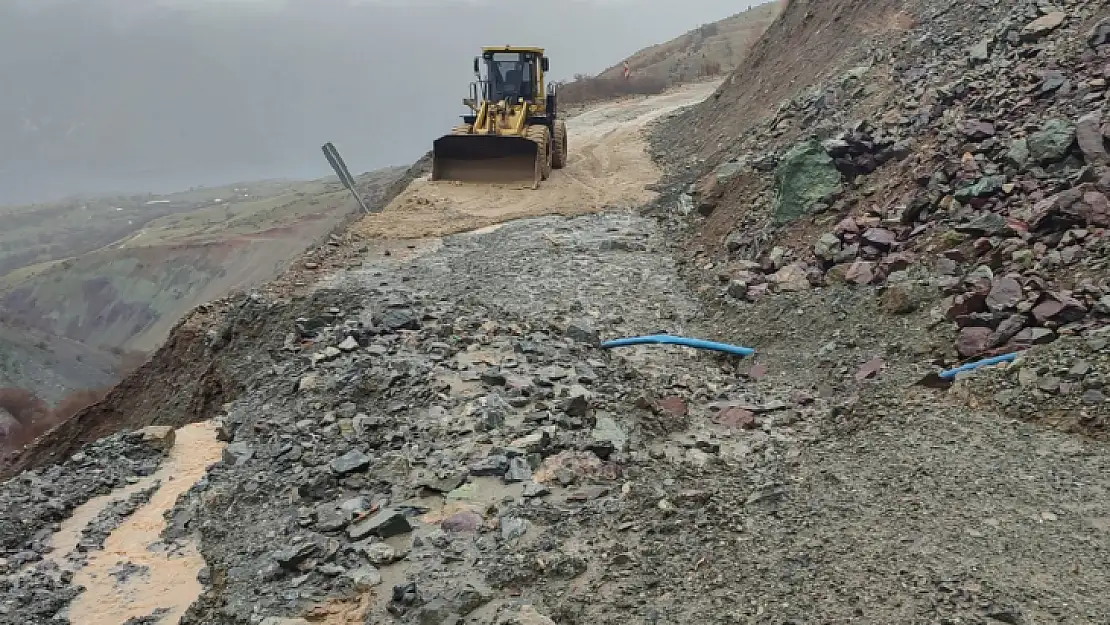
<point x="145" y="95"/>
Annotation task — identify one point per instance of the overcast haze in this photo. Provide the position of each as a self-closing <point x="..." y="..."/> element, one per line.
<point x="133" y="95"/>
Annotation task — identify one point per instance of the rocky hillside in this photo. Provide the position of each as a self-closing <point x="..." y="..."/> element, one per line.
<point x="114" y="274"/>
<point x="708" y="51"/>
<point x="963" y="170"/>
<point x="435" y="432"/>
<point x="51" y="367"/>
<point x="711" y="49"/>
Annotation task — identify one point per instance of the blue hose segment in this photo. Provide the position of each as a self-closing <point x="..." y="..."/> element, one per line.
<point x="667" y="339"/>
<point x="951" y="373"/>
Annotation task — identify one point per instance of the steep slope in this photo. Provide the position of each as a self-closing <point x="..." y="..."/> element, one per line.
<point x="113" y="275"/>
<point x="910" y="156"/>
<point x="51" y="367"/>
<point x="711" y="49"/>
<point x="704" y="53"/>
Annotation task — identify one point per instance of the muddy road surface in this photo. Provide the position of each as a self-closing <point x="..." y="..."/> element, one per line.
<point x="439" y="438"/>
<point x="608" y="166"/>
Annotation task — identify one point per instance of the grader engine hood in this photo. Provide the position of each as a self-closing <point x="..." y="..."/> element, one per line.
<point x="486" y="158"/>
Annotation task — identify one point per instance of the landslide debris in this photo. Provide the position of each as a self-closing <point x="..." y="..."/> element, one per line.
<point x="435" y="437"/>
<point x="930" y="156"/>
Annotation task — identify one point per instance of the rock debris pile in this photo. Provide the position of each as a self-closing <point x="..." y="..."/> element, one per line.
<point x="975" y="156"/>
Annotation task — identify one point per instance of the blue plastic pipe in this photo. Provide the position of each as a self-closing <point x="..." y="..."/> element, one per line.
<point x="951" y="373"/>
<point x="668" y="339"/>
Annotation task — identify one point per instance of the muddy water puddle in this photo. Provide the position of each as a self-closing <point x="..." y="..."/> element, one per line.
<point x="136" y="574"/>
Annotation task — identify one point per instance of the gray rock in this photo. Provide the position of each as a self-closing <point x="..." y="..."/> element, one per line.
<point x="1094" y="397"/>
<point x="1102" y="306"/>
<point x="737" y="289"/>
<point x="329" y="518"/>
<point x="583" y="332"/>
<point x="533" y="490"/>
<point x="981" y="52"/>
<point x="397" y="319"/>
<point x="384" y="524"/>
<point x="513" y="528"/>
<point x="237" y="454"/>
<point x="827" y="247"/>
<point x="364" y="579"/>
<point x="293" y="556"/>
<point x="380" y="554"/>
<point x="518" y="471"/>
<point x="1043" y="25"/>
<point x="350" y="462"/>
<point x="1052" y="142"/>
<point x="609" y="431"/>
<point x="1100" y="33"/>
<point x="1018" y="155"/>
<point x="493" y="466"/>
<point x="471" y="597"/>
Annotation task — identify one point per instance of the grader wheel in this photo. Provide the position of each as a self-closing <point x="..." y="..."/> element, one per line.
<point x="559" y="149"/>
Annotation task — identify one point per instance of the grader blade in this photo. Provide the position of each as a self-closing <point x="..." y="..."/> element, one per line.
<point x="486" y="158"/>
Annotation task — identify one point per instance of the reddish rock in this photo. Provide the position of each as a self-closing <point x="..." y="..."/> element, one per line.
<point x="757" y="291"/>
<point x="1096" y="209"/>
<point x="977" y="130"/>
<point x="897" y="261"/>
<point x="973" y="341"/>
<point x="847" y="225"/>
<point x="1089" y="135"/>
<point x="1040" y="213"/>
<point x="673" y="406"/>
<point x="880" y="238"/>
<point x="1005" y="294"/>
<point x="1060" y="308"/>
<point x="870" y="369"/>
<point x="465" y="521"/>
<point x="737" y="418"/>
<point x="757" y="372"/>
<point x="791" y="278"/>
<point x="861" y="272"/>
<point x="966" y="304"/>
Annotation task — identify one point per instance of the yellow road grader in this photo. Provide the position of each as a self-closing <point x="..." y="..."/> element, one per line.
<point x="512" y="133"/>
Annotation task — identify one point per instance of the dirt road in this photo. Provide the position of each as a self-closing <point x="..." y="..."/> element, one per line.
<point x="608" y="166"/>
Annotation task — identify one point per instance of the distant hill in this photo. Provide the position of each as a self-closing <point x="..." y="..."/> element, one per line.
<point x="88" y="283"/>
<point x="710" y="50"/>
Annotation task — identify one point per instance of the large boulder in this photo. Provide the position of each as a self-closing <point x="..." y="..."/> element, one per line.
<point x="1052" y="142"/>
<point x="805" y="177"/>
<point x="1088" y="133"/>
